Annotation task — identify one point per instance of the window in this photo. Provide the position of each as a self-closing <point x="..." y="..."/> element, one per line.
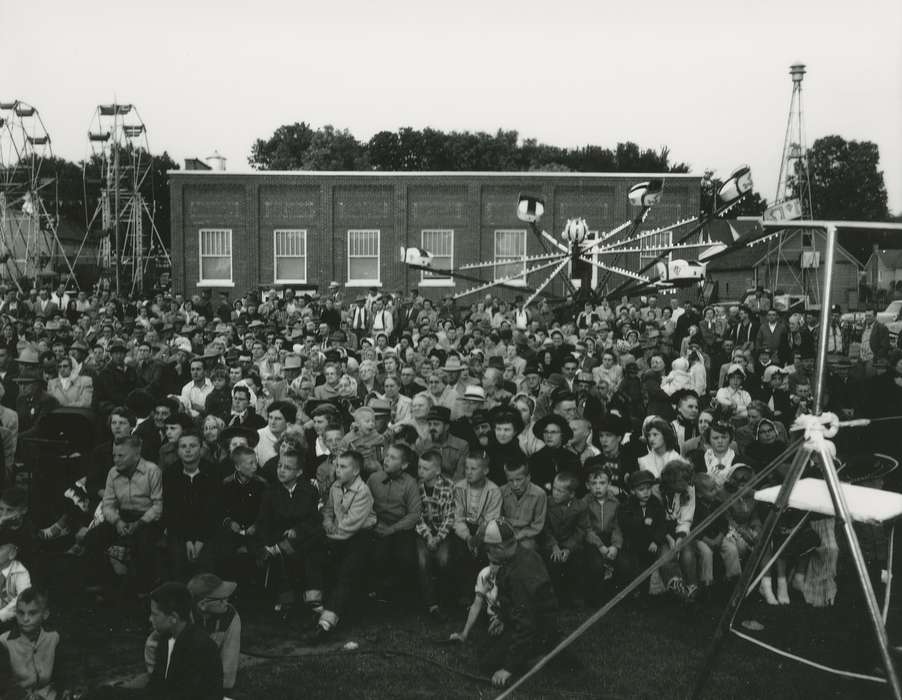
<point x="439" y="242"/>
<point x="662" y="241"/>
<point x="510" y="255"/>
<point x="215" y="257"/>
<point x="290" y="250"/>
<point x="363" y="258"/>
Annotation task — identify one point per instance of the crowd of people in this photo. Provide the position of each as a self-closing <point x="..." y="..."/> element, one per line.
<point x="395" y="450"/>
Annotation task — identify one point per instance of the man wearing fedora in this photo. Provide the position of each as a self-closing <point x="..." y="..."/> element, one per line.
<point x="453" y="450"/>
<point x="455" y="379"/>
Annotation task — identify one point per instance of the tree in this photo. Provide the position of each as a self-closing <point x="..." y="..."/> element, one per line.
<point x="298" y="147"/>
<point x="284" y="150"/>
<point x="845" y="180"/>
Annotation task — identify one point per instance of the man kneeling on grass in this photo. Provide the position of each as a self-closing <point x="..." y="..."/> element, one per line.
<point x="526" y="602"/>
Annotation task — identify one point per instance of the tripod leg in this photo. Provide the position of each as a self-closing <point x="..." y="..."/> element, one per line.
<point x="842" y="514"/>
<point x="751" y="568"/>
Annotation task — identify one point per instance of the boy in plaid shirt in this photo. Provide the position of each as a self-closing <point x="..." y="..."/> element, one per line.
<point x="433" y="528"/>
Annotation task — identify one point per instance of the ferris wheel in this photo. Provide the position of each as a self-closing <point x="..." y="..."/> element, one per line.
<point x="29" y="242"/>
<point x="571" y="257"/>
<point x="121" y="215"/>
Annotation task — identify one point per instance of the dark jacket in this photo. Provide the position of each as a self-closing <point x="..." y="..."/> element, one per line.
<point x="241" y="501"/>
<point x="112" y="386"/>
<point x="879" y="341"/>
<point x="219" y="403"/>
<point x="638" y="534"/>
<point x="548" y="462"/>
<point x="152" y="439"/>
<point x="566" y="525"/>
<point x="149" y="377"/>
<point x="528" y="607"/>
<point x="194" y="672"/>
<point x="281" y="511"/>
<point x="191" y="506"/>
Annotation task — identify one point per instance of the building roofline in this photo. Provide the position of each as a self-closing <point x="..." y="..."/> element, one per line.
<point x="432" y="173"/>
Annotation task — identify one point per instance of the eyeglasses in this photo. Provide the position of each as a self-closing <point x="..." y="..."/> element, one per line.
<point x="548" y="431"/>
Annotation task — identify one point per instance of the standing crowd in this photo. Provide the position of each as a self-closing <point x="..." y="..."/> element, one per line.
<point x="391" y="450"/>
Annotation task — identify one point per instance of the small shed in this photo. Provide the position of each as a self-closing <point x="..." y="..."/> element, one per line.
<point x="883" y="269"/>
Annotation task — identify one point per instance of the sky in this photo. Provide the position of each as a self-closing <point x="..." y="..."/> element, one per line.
<point x="707" y="79"/>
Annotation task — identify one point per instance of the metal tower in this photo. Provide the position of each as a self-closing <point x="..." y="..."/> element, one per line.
<point x="794" y="181"/>
<point x="792" y="200"/>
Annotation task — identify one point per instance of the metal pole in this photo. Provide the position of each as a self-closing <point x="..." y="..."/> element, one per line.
<point x="750" y="568"/>
<point x="841" y="509"/>
<point x="115" y="136"/>
<point x="821" y="368"/>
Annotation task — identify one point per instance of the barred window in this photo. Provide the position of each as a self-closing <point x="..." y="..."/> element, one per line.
<point x="440" y="243"/>
<point x="290" y="251"/>
<point x="510" y="255"/>
<point x="363" y="257"/>
<point x="216" y="256"/>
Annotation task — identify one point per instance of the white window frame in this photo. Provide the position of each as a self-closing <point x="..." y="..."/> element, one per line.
<point x="431" y="279"/>
<point x="664" y="239"/>
<point x="377" y="282"/>
<point x="276" y="256"/>
<point x="517" y="281"/>
<point x="201" y="282"/>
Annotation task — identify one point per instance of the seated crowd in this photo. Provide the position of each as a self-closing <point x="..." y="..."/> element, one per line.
<point x="393" y="451"/>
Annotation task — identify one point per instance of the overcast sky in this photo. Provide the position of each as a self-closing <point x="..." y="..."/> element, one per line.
<point x="708" y="79"/>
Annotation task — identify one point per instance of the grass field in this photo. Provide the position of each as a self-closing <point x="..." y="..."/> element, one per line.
<point x="652" y="651"/>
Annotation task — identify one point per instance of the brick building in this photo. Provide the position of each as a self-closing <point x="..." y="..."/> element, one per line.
<point x="304" y="229"/>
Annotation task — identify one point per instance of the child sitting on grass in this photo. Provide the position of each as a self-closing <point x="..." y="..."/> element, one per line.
<point x="743" y="530"/>
<point x="706" y="501"/>
<point x="604" y="540"/>
<point x="217" y="617"/>
<point x="486" y="597"/>
<point x="31" y="662"/>
<point x="564" y="534"/>
<point x="678" y="496"/>
<point x="14" y="578"/>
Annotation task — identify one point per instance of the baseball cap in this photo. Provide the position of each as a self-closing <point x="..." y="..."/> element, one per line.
<point x="211" y="586"/>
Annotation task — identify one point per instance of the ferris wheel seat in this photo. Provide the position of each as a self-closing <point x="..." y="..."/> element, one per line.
<point x="38" y="140"/>
<point x="8" y="105"/>
<point x="23" y="110"/>
<point x="133" y="130"/>
<point x="99" y="136"/>
<point x="114" y="110"/>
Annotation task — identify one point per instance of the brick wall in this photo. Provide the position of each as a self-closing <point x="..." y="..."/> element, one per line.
<point x="400" y="206"/>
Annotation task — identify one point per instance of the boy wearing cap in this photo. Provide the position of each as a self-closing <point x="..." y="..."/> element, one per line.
<point x="643" y="523"/>
<point x="527" y="605"/>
